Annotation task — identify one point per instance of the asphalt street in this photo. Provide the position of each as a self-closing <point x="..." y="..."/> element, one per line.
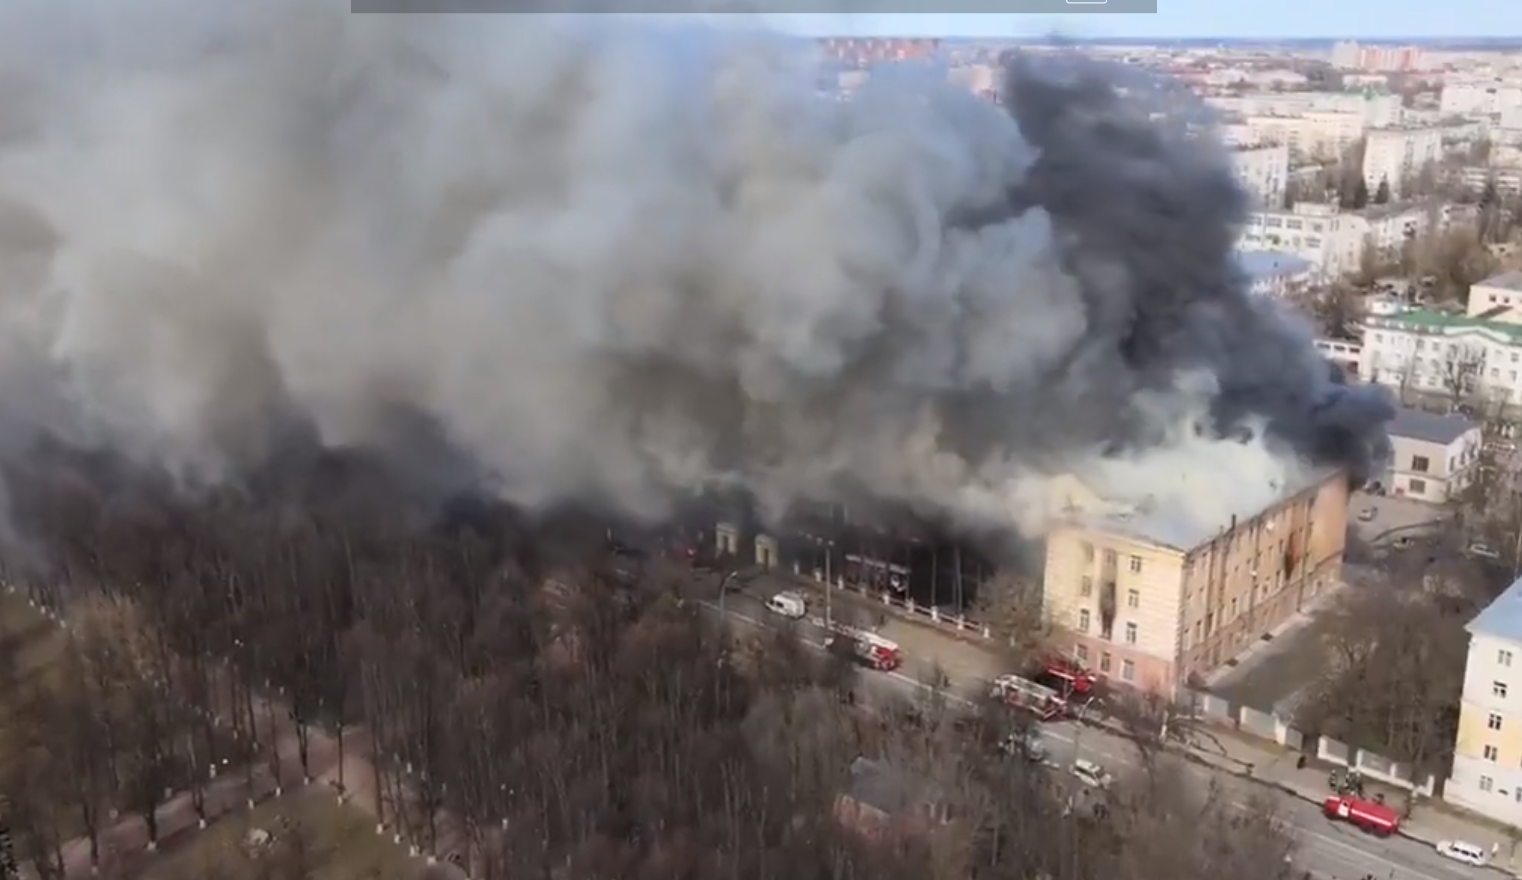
<point x="1327" y="849"/>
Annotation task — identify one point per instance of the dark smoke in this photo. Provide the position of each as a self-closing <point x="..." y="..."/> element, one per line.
<point x="604" y="262"/>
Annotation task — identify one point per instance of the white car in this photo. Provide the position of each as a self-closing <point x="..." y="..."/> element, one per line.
<point x="788" y="604"/>
<point x="1484" y="551"/>
<point x="1091" y="774"/>
<point x="1461" y="851"/>
<point x="1367" y="514"/>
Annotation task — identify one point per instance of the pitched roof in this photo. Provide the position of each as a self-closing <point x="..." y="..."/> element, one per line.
<point x="1427" y="321"/>
<point x="1501" y="619"/>
<point x="1415" y="424"/>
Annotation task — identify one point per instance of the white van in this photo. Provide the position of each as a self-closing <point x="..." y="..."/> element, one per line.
<point x="788" y="604"/>
<point x="1091" y="774"/>
<point x="1462" y="851"/>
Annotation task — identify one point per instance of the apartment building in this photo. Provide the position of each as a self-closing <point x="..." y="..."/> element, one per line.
<point x="1434" y="456"/>
<point x="1488" y="98"/>
<point x="1507" y="180"/>
<point x="1487" y="752"/>
<point x="1479" y="353"/>
<point x="1263" y="171"/>
<point x="1394" y="156"/>
<point x="1151" y="603"/>
<point x="1372" y="108"/>
<point x="1349" y="55"/>
<point x="1333" y="241"/>
<point x="1313" y="135"/>
<point x="1275" y="273"/>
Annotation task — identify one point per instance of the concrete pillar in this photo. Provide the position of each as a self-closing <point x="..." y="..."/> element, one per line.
<point x="935" y="614"/>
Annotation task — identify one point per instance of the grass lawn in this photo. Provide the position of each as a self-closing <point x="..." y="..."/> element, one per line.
<point x="331" y="841"/>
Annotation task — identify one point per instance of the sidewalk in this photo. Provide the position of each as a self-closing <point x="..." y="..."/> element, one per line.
<point x="965" y="655"/>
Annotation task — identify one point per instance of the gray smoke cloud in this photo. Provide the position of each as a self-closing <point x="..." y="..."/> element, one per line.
<point x="613" y="261"/>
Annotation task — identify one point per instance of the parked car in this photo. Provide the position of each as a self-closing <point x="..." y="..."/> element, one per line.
<point x="1091" y="774"/>
<point x="1027" y="744"/>
<point x="1367" y="514"/>
<point x="1462" y="851"/>
<point x="1483" y="551"/>
<point x="1403" y="542"/>
<point x="788" y="604"/>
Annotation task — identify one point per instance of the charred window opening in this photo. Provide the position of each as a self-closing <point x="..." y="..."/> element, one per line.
<point x="1294" y="555"/>
<point x="1106" y="608"/>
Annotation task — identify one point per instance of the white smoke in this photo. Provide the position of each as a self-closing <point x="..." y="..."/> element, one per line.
<point x="609" y="261"/>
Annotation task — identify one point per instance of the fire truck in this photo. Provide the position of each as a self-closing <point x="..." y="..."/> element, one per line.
<point x="1369" y="816"/>
<point x="1028" y="696"/>
<point x="868" y="647"/>
<point x="1066" y="677"/>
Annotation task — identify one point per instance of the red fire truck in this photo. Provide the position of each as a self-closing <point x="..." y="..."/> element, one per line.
<point x="1028" y="696"/>
<point x="868" y="647"/>
<point x="1374" y="818"/>
<point x="1065" y="676"/>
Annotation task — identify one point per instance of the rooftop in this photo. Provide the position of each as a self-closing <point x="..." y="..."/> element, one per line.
<point x="1506" y="281"/>
<point x="1389" y="209"/>
<point x="1271" y="264"/>
<point x="1501" y="619"/>
<point x="1415" y="424"/>
<point x="1428" y="321"/>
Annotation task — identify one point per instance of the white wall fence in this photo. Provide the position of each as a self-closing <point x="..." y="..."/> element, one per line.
<point x="1265" y="725"/>
<point x="1207" y="707"/>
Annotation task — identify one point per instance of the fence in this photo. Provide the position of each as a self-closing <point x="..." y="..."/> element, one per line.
<point x="1206" y="707"/>
<point x="1265" y="725"/>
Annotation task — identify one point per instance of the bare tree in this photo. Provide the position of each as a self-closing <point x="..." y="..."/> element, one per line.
<point x="1461" y="371"/>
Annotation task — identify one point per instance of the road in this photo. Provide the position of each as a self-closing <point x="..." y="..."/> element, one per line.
<point x="1327" y="849"/>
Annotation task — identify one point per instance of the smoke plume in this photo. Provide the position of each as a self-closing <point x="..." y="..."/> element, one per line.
<point x="605" y="261"/>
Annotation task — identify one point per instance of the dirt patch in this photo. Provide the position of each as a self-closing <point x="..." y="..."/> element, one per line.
<point x="306" y="834"/>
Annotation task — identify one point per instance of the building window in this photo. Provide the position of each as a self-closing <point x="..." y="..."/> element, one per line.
<point x="1418" y="487"/>
<point x="1498" y="689"/>
<point x="1109" y="559"/>
<point x="1493" y="722"/>
<point x="1503" y="657"/>
<point x="1490" y="753"/>
<point x="1136" y="565"/>
<point x="1088" y="552"/>
<point x="1083" y="620"/>
<point x="1127" y="670"/>
<point x="1420" y="464"/>
<point x="1486" y="784"/>
<point x="1104" y="662"/>
<point x="1086" y="586"/>
<point x="1133" y="598"/>
<point x="1130" y="633"/>
<point x="1083" y="653"/>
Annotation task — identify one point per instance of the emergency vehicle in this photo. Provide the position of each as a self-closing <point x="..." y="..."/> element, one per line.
<point x="868" y="647"/>
<point x="1066" y="677"/>
<point x="1028" y="696"/>
<point x="1374" y="818"/>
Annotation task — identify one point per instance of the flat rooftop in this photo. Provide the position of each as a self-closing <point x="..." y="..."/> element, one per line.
<point x="1415" y="424"/>
<point x="1501" y="619"/>
<point x="1505" y="281"/>
<point x="1166" y="525"/>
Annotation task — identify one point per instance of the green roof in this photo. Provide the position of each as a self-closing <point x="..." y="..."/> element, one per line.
<point x="1425" y="321"/>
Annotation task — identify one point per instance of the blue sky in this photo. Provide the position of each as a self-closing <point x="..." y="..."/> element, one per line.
<point x="1205" y="18"/>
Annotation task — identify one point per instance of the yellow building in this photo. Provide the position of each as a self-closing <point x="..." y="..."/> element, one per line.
<point x="1149" y="603"/>
<point x="1487" y="756"/>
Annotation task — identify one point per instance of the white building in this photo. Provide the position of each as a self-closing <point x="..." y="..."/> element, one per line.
<point x="1275" y="273"/>
<point x="1434" y="457"/>
<point x="1452" y="355"/>
<point x="1263" y="170"/>
<point x="1333" y="241"/>
<point x="1508" y="180"/>
<point x="1502" y="291"/>
<point x="1490" y="98"/>
<point x="1396" y="155"/>
<point x="1373" y="109"/>
<point x="1318" y="135"/>
<point x="1487" y="753"/>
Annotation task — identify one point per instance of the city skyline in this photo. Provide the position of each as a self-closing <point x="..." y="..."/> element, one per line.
<point x="1194" y="19"/>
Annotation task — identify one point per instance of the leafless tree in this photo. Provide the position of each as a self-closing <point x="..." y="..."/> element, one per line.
<point x="1461" y="372"/>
